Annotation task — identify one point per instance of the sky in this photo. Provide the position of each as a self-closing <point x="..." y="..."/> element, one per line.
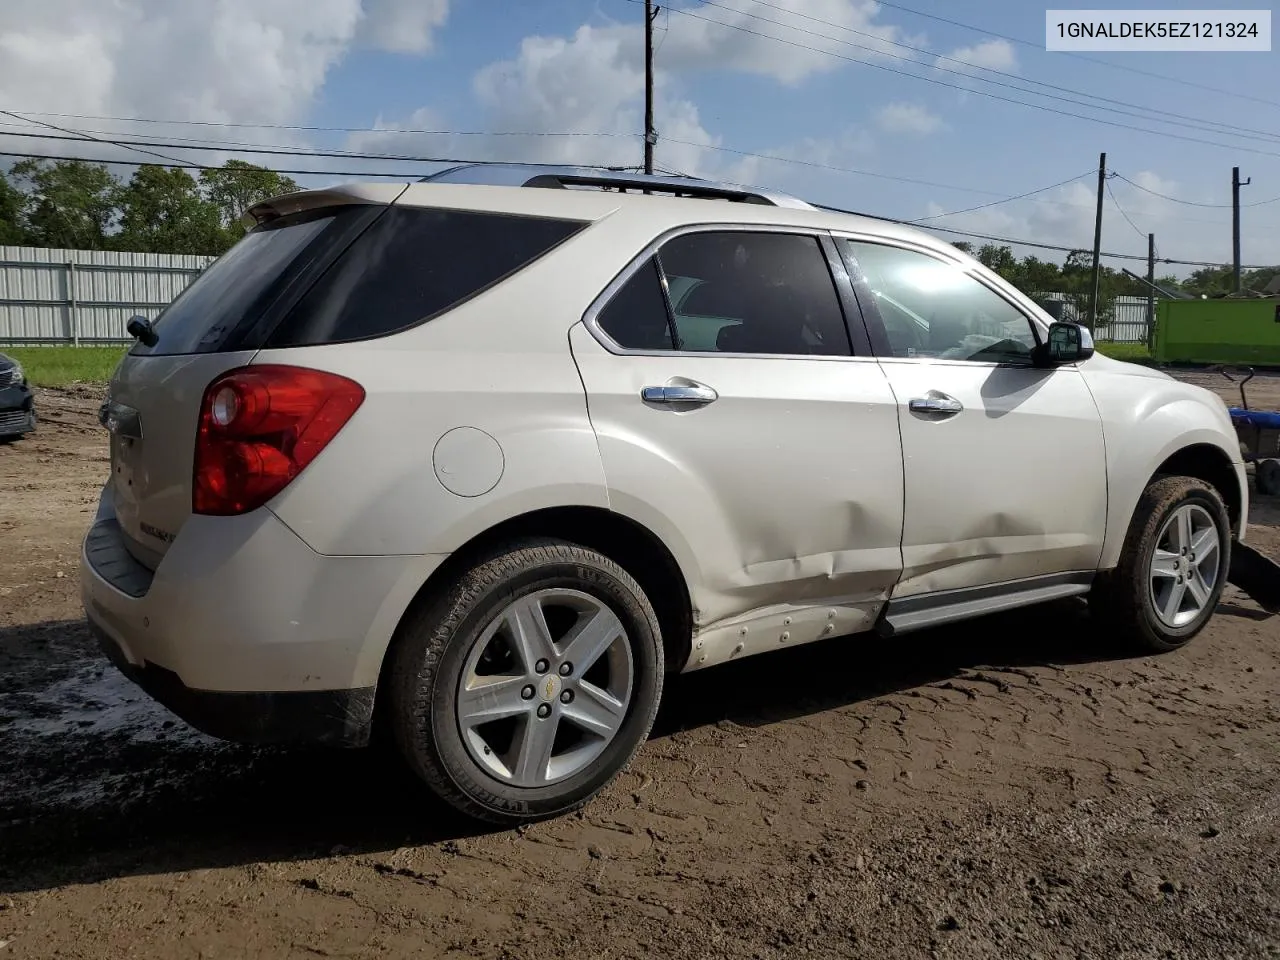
<point x="899" y="109"/>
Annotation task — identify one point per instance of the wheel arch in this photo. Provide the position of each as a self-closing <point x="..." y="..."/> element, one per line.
<point x="1173" y="439"/>
<point x="628" y="543"/>
<point x="1210" y="463"/>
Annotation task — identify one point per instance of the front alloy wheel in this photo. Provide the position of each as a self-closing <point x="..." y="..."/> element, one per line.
<point x="1172" y="569"/>
<point x="1185" y="565"/>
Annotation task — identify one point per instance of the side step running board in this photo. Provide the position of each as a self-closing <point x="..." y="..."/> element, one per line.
<point x="1256" y="575"/>
<point x="935" y="609"/>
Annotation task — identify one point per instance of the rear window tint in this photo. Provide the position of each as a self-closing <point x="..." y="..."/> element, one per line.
<point x="238" y="286"/>
<point x="414" y="264"/>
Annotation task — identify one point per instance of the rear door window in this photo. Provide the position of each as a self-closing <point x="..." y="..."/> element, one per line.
<point x="414" y="264"/>
<point x="731" y="291"/>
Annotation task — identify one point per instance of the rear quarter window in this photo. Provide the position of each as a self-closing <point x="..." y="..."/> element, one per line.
<point x="414" y="264"/>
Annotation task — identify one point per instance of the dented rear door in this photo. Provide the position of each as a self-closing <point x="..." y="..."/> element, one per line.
<point x="776" y="478"/>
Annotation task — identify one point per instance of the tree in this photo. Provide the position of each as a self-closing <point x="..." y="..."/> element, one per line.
<point x="236" y="186"/>
<point x="163" y="211"/>
<point x="999" y="259"/>
<point x="69" y="203"/>
<point x="13" y="204"/>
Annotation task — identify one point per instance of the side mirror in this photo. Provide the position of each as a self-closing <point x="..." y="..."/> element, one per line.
<point x="1067" y="343"/>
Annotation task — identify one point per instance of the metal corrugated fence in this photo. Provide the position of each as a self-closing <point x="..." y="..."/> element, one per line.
<point x="1127" y="322"/>
<point x="85" y="296"/>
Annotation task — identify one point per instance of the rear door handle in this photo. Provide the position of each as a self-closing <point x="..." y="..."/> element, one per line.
<point x="935" y="405"/>
<point x="680" y="393"/>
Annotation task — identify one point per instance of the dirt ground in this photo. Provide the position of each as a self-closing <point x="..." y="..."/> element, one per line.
<point x="1011" y="788"/>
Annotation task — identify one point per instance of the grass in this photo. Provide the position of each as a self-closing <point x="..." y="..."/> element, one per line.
<point x="1129" y="352"/>
<point x="62" y="366"/>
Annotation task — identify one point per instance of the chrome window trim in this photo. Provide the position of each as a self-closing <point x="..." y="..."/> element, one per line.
<point x="591" y="317"/>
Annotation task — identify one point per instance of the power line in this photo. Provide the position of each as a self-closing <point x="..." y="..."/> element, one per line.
<point x="827" y="166"/>
<point x="1022" y="242"/>
<point x="237" y="146"/>
<point x="315" y="129"/>
<point x="54" y="126"/>
<point x="994" y="203"/>
<point x="234" y="147"/>
<point x="871" y="216"/>
<point x="204" y="166"/>
<point x="1192" y="203"/>
<point x="1198" y="123"/>
<point x="980" y="93"/>
<point x="224" y="147"/>
<point x="1112" y="195"/>
<point x="1079" y="56"/>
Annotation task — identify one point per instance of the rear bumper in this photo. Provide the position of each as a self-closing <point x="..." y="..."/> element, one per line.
<point x="339" y="718"/>
<point x="244" y="631"/>
<point x="17" y="411"/>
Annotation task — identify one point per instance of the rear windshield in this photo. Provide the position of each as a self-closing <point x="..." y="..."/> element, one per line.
<point x="237" y="287"/>
<point x="414" y="264"/>
<point x="291" y="282"/>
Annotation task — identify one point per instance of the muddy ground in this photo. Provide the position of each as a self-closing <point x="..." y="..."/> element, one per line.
<point x="1013" y="788"/>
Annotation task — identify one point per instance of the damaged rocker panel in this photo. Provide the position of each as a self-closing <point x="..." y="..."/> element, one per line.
<point x="776" y="627"/>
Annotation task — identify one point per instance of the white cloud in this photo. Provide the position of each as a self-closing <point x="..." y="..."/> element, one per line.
<point x="1065" y="216"/>
<point x="592" y="82"/>
<point x="241" y="60"/>
<point x="910" y="118"/>
<point x="403" y="26"/>
<point x="789" y="40"/>
<point x="991" y="54"/>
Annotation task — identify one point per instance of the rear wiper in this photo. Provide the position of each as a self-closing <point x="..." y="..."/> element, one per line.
<point x="140" y="329"/>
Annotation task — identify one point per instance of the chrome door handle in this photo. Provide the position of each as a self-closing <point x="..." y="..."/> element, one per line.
<point x="679" y="392"/>
<point x="936" y="405"/>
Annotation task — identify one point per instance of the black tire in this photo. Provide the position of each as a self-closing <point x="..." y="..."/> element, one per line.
<point x="429" y="655"/>
<point x="1267" y="477"/>
<point x="1121" y="598"/>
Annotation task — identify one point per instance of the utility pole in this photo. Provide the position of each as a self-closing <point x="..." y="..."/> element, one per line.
<point x="650" y="135"/>
<point x="1097" y="243"/>
<point x="1151" y="288"/>
<point x="1236" y="184"/>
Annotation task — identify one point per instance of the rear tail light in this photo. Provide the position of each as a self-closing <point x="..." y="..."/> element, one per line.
<point x="259" y="428"/>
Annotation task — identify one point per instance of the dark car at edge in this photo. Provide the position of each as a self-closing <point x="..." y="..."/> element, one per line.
<point x="17" y="401"/>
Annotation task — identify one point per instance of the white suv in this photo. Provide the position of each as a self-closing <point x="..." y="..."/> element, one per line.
<point x="477" y="462"/>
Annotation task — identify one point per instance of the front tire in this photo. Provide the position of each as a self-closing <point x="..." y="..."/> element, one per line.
<point x="1173" y="566"/>
<point x="528" y="684"/>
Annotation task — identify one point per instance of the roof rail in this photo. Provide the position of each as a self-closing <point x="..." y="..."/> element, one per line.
<point x="607" y="178"/>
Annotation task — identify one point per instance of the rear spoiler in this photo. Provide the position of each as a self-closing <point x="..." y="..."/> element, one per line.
<point x="341" y="195"/>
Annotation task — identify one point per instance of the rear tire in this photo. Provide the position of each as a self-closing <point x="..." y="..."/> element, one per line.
<point x="486" y="703"/>
<point x="1163" y="592"/>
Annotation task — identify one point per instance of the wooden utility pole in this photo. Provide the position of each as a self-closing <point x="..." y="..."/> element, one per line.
<point x="1236" y="184"/>
<point x="650" y="135"/>
<point x="1097" y="244"/>
<point x="1151" y="286"/>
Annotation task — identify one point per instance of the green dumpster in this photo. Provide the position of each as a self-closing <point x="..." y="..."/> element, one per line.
<point x="1218" y="331"/>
